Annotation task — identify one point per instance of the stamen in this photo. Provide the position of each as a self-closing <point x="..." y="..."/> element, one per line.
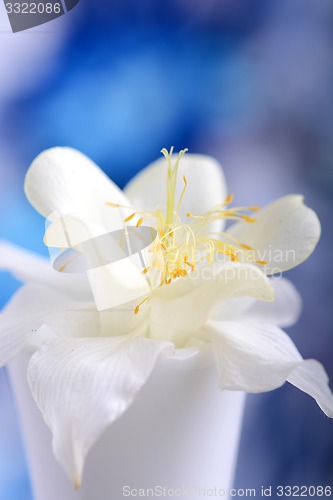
<point x="201" y="217"/>
<point x="247" y="247"/>
<point x="179" y="248"/>
<point x="192" y="266"/>
<point x="110" y="204"/>
<point x="171" y="182"/>
<point x="137" y="308"/>
<point x="130" y="217"/>
<point x="228" y="199"/>
<point x="182" y="194"/>
<point x="248" y="219"/>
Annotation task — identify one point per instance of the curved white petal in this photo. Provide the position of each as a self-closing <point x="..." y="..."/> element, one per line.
<point x="30" y="267"/>
<point x="206" y="185"/>
<point x="69" y="230"/>
<point x="84" y="320"/>
<point x="258" y="358"/>
<point x="180" y="309"/>
<point x="284" y="235"/>
<point x="63" y="181"/>
<point x="24" y="314"/>
<point x="35" y="305"/>
<point x="83" y="385"/>
<point x="310" y="377"/>
<point x="283" y="311"/>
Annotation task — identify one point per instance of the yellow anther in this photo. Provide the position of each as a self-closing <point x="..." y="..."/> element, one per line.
<point x="247" y="247"/>
<point x="248" y="219"/>
<point x="137" y="309"/>
<point x="110" y="204"/>
<point x="192" y="266"/>
<point x="130" y="217"/>
<point x="228" y="199"/>
<point x="181" y="245"/>
<point x="262" y="262"/>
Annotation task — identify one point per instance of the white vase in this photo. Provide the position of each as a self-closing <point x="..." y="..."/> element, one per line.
<point x="181" y="433"/>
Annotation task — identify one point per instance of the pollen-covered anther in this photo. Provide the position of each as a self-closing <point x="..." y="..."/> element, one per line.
<point x="140" y="221"/>
<point x="262" y="262"/>
<point x="179" y="272"/>
<point x="192" y="266"/>
<point x="145" y="270"/>
<point x="247" y="247"/>
<point x="110" y="204"/>
<point x="228" y="199"/>
<point x="130" y="217"/>
<point x="137" y="308"/>
<point x="248" y="219"/>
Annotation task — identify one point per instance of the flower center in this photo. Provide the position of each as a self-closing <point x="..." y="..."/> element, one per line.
<point x="181" y="247"/>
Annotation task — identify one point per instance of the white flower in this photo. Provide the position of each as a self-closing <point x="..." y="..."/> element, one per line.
<point x="196" y="287"/>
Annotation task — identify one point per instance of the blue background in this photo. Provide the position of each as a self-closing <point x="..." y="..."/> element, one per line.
<point x="246" y="81"/>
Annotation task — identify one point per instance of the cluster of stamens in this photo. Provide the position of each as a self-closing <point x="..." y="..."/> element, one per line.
<point x="180" y="247"/>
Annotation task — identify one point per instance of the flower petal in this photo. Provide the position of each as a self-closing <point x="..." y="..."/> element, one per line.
<point x="34" y="305"/>
<point x="82" y="385"/>
<point x="180" y="309"/>
<point x="30" y="267"/>
<point x="64" y="181"/>
<point x="310" y="377"/>
<point x="258" y="358"/>
<point x="285" y="233"/>
<point x="206" y="185"/>
<point x="24" y="314"/>
<point x="283" y="311"/>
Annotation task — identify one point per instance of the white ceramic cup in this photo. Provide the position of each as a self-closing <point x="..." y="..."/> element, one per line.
<point x="178" y="439"/>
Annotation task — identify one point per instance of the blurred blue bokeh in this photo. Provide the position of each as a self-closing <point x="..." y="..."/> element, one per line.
<point x="246" y="81"/>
